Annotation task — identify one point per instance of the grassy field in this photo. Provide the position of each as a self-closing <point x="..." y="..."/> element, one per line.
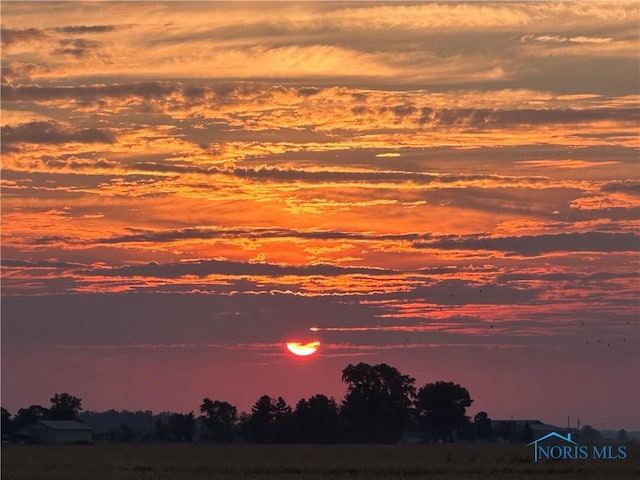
<point x="200" y="461"/>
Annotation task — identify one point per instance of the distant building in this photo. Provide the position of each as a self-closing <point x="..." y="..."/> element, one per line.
<point x="57" y="431"/>
<point x="525" y="430"/>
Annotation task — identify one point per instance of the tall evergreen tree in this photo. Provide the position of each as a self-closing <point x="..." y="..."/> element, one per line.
<point x="262" y="420"/>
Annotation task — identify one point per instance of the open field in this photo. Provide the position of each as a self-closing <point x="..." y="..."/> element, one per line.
<point x="200" y="461"/>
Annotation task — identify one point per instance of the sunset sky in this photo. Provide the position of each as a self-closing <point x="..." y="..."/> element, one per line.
<point x="449" y="188"/>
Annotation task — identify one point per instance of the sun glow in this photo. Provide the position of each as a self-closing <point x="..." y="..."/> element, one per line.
<point x="303" y="349"/>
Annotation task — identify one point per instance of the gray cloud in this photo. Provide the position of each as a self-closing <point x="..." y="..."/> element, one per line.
<point x="222" y="89"/>
<point x="11" y="36"/>
<point x="90" y="92"/>
<point x="489" y="118"/>
<point x="53" y="133"/>
<point x="308" y="91"/>
<point x="77" y="47"/>
<point x="80" y="29"/>
<point x="67" y="181"/>
<point x="565" y="74"/>
<point x="530" y="245"/>
<point x="228" y="90"/>
<point x="294" y="175"/>
<point x="526" y="201"/>
<point x="563" y="276"/>
<point x="461" y="292"/>
<point x="254" y="233"/>
<point x="527" y="245"/>
<point x="208" y="267"/>
<point x="437" y="159"/>
<point x="631" y="187"/>
<point x="43" y="264"/>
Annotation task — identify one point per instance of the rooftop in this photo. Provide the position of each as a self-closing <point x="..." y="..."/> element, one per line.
<point x="64" y="425"/>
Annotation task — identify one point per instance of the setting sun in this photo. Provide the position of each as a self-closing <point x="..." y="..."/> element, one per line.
<point x="303" y="349"/>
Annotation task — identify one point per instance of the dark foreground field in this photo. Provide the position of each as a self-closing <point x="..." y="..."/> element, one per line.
<point x="193" y="462"/>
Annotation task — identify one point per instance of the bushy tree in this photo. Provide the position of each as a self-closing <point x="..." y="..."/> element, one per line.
<point x="182" y="426"/>
<point x="161" y="431"/>
<point x="526" y="434"/>
<point x="441" y="409"/>
<point x="65" y="407"/>
<point x="316" y="420"/>
<point x="244" y="426"/>
<point x="125" y="433"/>
<point x="482" y="426"/>
<point x="28" y="416"/>
<point x="376" y="408"/>
<point x="6" y="421"/>
<point x="590" y="434"/>
<point x="622" y="435"/>
<point x="220" y="419"/>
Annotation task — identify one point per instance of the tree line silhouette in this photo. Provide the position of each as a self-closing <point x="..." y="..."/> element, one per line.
<point x="381" y="406"/>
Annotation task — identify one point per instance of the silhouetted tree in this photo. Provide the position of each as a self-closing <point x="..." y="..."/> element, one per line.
<point x="376" y="408"/>
<point x="182" y="426"/>
<point x="220" y="419"/>
<point x="282" y="422"/>
<point x="125" y="433"/>
<point x="502" y="430"/>
<point x="65" y="407"/>
<point x="161" y="431"/>
<point x="482" y="426"/>
<point x="511" y="431"/>
<point x="621" y="436"/>
<point x="526" y="434"/>
<point x="316" y="420"/>
<point x="262" y="420"/>
<point x="590" y="434"/>
<point x="270" y="421"/>
<point x="441" y="409"/>
<point x="110" y="421"/>
<point x="244" y="426"/>
<point x="28" y="416"/>
<point x="6" y="421"/>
